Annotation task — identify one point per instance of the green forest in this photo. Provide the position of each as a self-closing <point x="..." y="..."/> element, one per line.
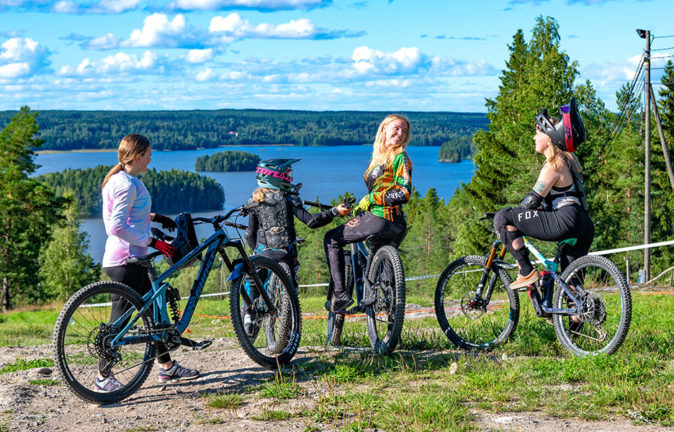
<point x="231" y="160"/>
<point x="457" y="149"/>
<point x="37" y="220"/>
<point x="188" y="130"/>
<point x="172" y="191"/>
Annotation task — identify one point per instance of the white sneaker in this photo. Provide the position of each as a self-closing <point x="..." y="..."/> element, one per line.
<point x="107" y="385"/>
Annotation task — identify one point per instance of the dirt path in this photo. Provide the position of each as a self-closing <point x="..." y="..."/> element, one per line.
<point x="182" y="407"/>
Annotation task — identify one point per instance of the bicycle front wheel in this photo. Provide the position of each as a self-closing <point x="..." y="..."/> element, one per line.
<point x="469" y="320"/>
<point x="82" y="342"/>
<point x="386" y="314"/>
<point x="607" y="312"/>
<point x="278" y="343"/>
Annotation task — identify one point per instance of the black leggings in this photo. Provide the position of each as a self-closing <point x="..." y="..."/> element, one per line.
<point x="357" y="229"/>
<point x="566" y="222"/>
<point x="134" y="276"/>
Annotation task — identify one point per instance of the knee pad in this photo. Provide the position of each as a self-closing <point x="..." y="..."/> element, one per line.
<point x="500" y="222"/>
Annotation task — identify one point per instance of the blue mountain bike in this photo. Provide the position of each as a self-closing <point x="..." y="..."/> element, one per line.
<point x="589" y="302"/>
<point x="87" y="342"/>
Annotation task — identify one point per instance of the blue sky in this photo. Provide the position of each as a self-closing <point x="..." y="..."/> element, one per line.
<point x="388" y="55"/>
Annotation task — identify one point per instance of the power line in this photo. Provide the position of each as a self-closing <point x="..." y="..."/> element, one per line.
<point x="662" y="49"/>
<point x="663" y="37"/>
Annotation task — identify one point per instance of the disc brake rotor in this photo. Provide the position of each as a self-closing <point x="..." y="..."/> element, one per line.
<point x="471" y="307"/>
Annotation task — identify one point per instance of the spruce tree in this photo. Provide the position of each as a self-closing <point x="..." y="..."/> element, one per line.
<point x="65" y="265"/>
<point x="26" y="210"/>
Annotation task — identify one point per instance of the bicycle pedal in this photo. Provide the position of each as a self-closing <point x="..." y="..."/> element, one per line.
<point x="196" y="346"/>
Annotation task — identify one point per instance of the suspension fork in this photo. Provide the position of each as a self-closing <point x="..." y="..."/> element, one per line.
<point x="248" y="265"/>
<point x="489" y="271"/>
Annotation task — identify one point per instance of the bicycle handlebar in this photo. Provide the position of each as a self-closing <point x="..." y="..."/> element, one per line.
<point x="317" y="204"/>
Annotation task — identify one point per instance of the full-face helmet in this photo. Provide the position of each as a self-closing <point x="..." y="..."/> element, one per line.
<point x="566" y="134"/>
<point x="276" y="174"/>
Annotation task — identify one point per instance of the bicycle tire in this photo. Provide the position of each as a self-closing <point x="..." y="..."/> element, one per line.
<point x="388" y="282"/>
<point x="468" y="324"/>
<point x="82" y="321"/>
<point x="285" y="328"/>
<point x="336" y="321"/>
<point x="604" y="326"/>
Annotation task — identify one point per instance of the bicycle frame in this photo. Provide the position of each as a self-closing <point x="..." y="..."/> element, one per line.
<point x="552" y="266"/>
<point x="364" y="285"/>
<point x="157" y="295"/>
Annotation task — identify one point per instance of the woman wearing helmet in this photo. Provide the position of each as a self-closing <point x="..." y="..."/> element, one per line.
<point x="271" y="219"/>
<point x="388" y="178"/>
<point x="556" y="207"/>
<point x="127" y="219"/>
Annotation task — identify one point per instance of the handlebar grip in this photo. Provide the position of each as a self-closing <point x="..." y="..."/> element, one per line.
<point x="489" y="215"/>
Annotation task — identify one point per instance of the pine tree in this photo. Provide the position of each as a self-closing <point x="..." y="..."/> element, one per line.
<point x="65" y="266"/>
<point x="538" y="75"/>
<point x="26" y="210"/>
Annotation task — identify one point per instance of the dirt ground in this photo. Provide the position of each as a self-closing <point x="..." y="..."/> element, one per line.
<point x="182" y="406"/>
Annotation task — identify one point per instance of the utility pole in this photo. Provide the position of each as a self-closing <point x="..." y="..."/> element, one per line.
<point x="646" y="34"/>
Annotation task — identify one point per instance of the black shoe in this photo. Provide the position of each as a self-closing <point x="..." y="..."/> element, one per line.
<point x="339" y="306"/>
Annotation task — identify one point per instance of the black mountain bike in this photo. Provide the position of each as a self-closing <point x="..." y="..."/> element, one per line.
<point x="374" y="270"/>
<point x="86" y="342"/>
<point x="589" y="302"/>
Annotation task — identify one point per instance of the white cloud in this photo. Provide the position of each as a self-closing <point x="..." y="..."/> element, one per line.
<point x="65" y="6"/>
<point x="247" y="4"/>
<point x="199" y="55"/>
<point x="117" y="64"/>
<point x="14" y="70"/>
<point x="115" y="6"/>
<point x="403" y="61"/>
<point x="158" y="31"/>
<point x="232" y="27"/>
<point x="22" y="57"/>
<point x="107" y="41"/>
<point x="206" y="75"/>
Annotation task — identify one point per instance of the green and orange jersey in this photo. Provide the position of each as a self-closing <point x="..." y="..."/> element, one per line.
<point x="389" y="186"/>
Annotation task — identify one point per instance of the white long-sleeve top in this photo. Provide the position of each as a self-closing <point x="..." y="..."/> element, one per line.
<point x="126" y="215"/>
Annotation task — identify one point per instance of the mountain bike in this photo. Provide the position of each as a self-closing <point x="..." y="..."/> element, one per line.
<point x="86" y="342"/>
<point x="589" y="302"/>
<point x="374" y="270"/>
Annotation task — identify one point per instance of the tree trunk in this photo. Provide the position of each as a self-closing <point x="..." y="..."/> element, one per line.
<point x="5" y="295"/>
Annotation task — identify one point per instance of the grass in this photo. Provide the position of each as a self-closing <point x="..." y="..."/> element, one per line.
<point x="427" y="384"/>
<point x="22" y="364"/>
<point x="229" y="401"/>
<point x="44" y="382"/>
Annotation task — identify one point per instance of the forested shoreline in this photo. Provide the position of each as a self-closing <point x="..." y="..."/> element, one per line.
<point x="189" y="130"/>
<point x="172" y="191"/>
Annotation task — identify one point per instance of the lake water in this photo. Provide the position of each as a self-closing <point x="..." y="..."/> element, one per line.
<point x="326" y="173"/>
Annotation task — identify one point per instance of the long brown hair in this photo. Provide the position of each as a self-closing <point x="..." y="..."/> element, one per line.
<point x="379" y="154"/>
<point x="130" y="146"/>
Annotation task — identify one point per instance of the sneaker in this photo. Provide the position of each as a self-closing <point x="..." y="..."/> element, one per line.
<point x="527" y="280"/>
<point x="176" y="373"/>
<point x="249" y="325"/>
<point x="107" y="384"/>
<point x="339" y="306"/>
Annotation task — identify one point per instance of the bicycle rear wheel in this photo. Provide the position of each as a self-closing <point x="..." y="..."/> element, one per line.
<point x="279" y="341"/>
<point x="603" y="326"/>
<point x="82" y="336"/>
<point x="469" y="321"/>
<point x="386" y="315"/>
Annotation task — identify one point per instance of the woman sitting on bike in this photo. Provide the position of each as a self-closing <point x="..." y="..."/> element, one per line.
<point x="556" y="207"/>
<point x="271" y="221"/>
<point x="388" y="178"/>
<point x="127" y="219"/>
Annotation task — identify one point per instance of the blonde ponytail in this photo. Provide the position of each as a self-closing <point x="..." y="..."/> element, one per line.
<point x="131" y="146"/>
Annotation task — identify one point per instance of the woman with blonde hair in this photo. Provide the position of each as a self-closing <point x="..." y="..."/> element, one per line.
<point x="127" y="219"/>
<point x="556" y="208"/>
<point x="388" y="178"/>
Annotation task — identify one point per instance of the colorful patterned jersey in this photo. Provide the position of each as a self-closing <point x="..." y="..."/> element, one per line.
<point x="389" y="186"/>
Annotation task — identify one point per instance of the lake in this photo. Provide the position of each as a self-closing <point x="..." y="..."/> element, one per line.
<point x="325" y="172"/>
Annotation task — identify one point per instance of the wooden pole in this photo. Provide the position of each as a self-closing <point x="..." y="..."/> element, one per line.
<point x="647" y="159"/>
<point x="662" y="138"/>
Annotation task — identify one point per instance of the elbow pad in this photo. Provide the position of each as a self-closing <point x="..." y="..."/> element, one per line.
<point x="532" y="201"/>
